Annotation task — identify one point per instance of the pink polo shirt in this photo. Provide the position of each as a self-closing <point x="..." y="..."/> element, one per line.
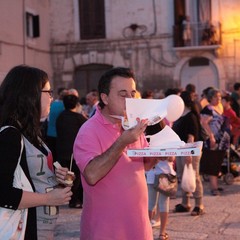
<point x="116" y="208"/>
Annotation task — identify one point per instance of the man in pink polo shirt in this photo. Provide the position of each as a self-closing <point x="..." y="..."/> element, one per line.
<point x="115" y="205"/>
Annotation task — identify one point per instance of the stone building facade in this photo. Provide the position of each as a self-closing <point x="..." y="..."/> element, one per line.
<point x="80" y="39"/>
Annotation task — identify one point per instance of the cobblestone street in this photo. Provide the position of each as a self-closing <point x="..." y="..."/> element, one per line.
<point x="221" y="221"/>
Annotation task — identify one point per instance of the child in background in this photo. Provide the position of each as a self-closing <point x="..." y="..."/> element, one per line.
<point x="158" y="205"/>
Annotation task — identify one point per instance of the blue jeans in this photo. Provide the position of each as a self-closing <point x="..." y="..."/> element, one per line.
<point x="155" y="197"/>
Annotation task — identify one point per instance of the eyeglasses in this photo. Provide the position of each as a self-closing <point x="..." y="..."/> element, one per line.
<point x="50" y="92"/>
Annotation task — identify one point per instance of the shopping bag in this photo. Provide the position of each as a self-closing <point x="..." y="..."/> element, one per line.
<point x="166" y="184"/>
<point x="13" y="222"/>
<point x="188" y="183"/>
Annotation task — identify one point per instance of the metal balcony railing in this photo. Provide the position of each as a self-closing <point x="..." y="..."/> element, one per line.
<point x="201" y="34"/>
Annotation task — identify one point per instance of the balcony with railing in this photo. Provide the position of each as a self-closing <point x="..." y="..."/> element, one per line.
<point x="201" y="35"/>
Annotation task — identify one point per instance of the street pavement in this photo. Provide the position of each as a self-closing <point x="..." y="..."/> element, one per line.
<point x="221" y="220"/>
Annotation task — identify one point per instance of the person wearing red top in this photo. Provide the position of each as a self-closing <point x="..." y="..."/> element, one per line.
<point x="234" y="120"/>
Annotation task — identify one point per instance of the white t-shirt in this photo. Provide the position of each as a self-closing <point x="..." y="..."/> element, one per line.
<point x="162" y="167"/>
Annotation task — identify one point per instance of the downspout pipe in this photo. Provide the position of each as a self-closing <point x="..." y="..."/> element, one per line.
<point x="154" y="18"/>
<point x="24" y="32"/>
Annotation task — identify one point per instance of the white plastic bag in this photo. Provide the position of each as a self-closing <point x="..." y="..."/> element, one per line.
<point x="13" y="222"/>
<point x="188" y="183"/>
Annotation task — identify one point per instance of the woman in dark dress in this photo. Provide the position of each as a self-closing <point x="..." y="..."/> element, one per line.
<point x="188" y="128"/>
<point x="68" y="124"/>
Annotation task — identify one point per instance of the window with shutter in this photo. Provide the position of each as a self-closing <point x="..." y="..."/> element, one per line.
<point x="32" y="25"/>
<point x="92" y="19"/>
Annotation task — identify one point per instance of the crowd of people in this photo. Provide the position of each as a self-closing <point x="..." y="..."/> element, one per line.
<point x="214" y="114"/>
<point x="67" y="114"/>
<point x="116" y="192"/>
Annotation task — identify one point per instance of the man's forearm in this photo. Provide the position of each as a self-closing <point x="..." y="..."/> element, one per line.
<point x="99" y="166"/>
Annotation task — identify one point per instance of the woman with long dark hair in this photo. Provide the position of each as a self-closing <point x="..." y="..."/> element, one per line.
<point x="25" y="97"/>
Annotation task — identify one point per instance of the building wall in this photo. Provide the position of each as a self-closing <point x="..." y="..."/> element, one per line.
<point x="62" y="20"/>
<point x="15" y="47"/>
<point x="230" y="51"/>
<point x="149" y="50"/>
<point x="149" y="53"/>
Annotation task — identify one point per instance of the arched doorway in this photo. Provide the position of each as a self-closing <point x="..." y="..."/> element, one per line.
<point x="201" y="72"/>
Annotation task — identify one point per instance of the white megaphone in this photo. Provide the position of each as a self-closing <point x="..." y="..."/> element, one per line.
<point x="175" y="107"/>
<point x="170" y="108"/>
<point x="154" y="110"/>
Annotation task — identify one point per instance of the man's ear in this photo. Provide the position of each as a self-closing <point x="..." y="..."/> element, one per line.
<point x="104" y="98"/>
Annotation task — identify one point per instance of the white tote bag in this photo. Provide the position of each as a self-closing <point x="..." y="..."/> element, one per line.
<point x="188" y="183"/>
<point x="13" y="222"/>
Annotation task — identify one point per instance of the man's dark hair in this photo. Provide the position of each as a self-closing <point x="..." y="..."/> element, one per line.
<point x="106" y="79"/>
<point x="206" y="90"/>
<point x="147" y="94"/>
<point x="70" y="101"/>
<point x="171" y="91"/>
<point x="236" y="86"/>
<point x="228" y="98"/>
<point x="60" y="89"/>
<point x="190" y="88"/>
